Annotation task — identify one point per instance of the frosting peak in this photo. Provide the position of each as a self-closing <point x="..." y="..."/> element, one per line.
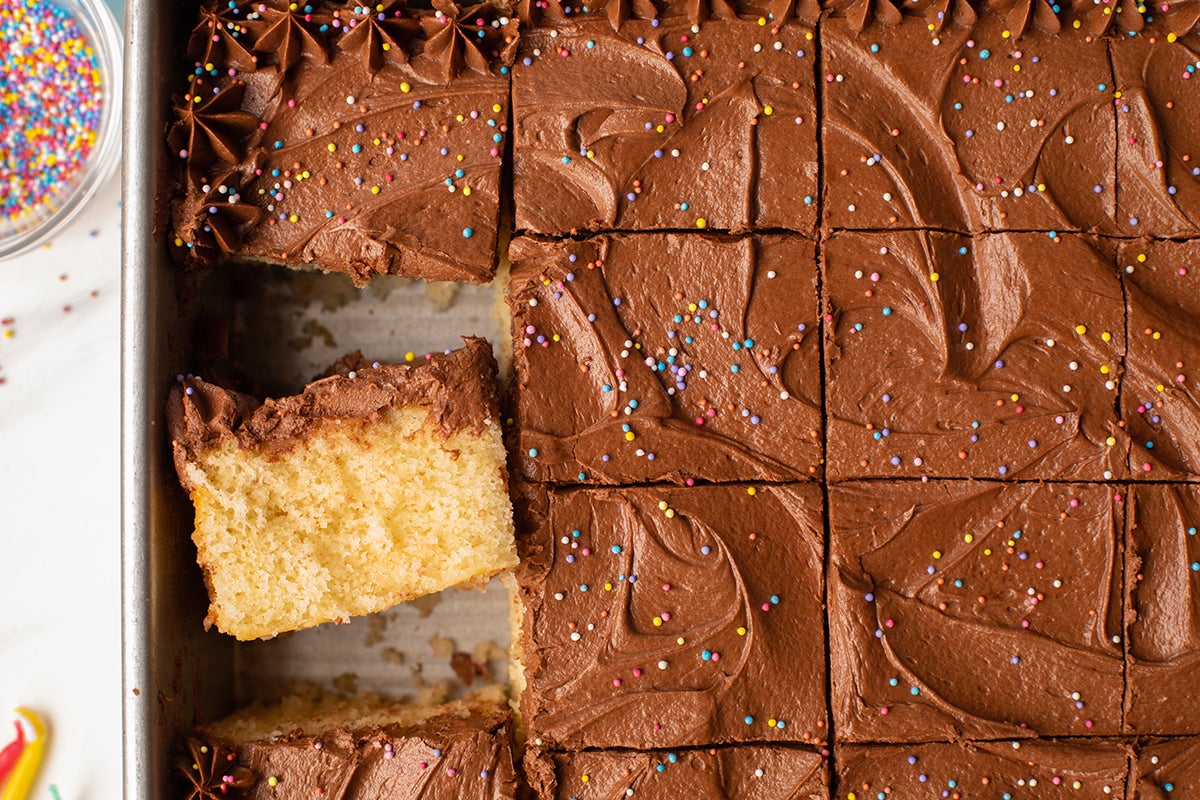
<point x="213" y="771"/>
<point x="381" y="33"/>
<point x="467" y="38"/>
<point x="288" y="38"/>
<point x="1020" y="14"/>
<point x="211" y="124"/>
<point x="220" y="219"/>
<point x="861" y="13"/>
<point x="221" y="36"/>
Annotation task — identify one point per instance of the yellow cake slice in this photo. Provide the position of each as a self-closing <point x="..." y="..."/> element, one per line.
<point x="376" y="484"/>
<point x="304" y="747"/>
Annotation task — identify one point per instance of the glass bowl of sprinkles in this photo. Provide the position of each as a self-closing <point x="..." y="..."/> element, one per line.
<point x="60" y="114"/>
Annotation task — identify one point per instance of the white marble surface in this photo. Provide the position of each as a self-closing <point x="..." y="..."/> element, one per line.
<point x="60" y="545"/>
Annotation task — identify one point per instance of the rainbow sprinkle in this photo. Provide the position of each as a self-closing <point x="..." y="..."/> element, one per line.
<point x="50" y="106"/>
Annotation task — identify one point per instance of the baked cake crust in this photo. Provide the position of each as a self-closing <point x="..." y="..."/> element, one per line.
<point x="671" y="617"/>
<point x="963" y="610"/>
<point x="676" y="357"/>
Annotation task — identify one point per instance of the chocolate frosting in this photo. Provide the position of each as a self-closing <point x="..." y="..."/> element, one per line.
<point x="215" y="217"/>
<point x="689" y="137"/>
<point x="1163" y="575"/>
<point x="956" y="357"/>
<point x="1158" y="155"/>
<point x="448" y="756"/>
<point x="344" y="129"/>
<point x="963" y="610"/>
<point x="965" y="126"/>
<point x="213" y="771"/>
<point x="213" y="127"/>
<point x="742" y="772"/>
<point x="461" y="38"/>
<point x="458" y="388"/>
<point x="288" y="33"/>
<point x="1159" y="393"/>
<point x="223" y="35"/>
<point x="378" y="35"/>
<point x="1049" y="770"/>
<point x="671" y="617"/>
<point x="674" y="357"/>
<point x="1168" y="763"/>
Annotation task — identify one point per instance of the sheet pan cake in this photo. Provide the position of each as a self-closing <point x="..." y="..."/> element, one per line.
<point x="853" y="425"/>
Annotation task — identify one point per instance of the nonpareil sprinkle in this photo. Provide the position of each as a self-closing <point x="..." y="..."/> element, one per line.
<point x="50" y="105"/>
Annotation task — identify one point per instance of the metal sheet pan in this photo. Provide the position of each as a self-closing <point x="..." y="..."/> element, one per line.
<point x="280" y="328"/>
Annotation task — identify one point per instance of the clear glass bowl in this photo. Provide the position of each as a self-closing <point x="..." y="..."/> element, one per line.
<point x="97" y="23"/>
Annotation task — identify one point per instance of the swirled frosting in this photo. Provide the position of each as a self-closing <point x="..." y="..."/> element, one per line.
<point x="1045" y="770"/>
<point x="1158" y="142"/>
<point x="1158" y="396"/>
<point x="666" y="357"/>
<point x="458" y="753"/>
<point x="380" y="34"/>
<point x="743" y="772"/>
<point x="1168" y="763"/>
<point x="1163" y="575"/>
<point x="345" y="126"/>
<point x="975" y="611"/>
<point x="695" y="133"/>
<point x="214" y="216"/>
<point x="669" y="617"/>
<point x="962" y="124"/>
<point x="993" y="357"/>
<point x="213" y="126"/>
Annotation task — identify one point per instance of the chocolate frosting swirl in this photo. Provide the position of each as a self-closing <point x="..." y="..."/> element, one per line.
<point x="213" y="771"/>
<point x="1167" y="769"/>
<point x="286" y="37"/>
<point x="1041" y="770"/>
<point x="1021" y="14"/>
<point x="1024" y="579"/>
<point x="540" y="12"/>
<point x="219" y="218"/>
<point x="1158" y="397"/>
<point x="618" y="11"/>
<point x="222" y="36"/>
<point x="211" y="125"/>
<point x="968" y="358"/>
<point x="380" y="34"/>
<point x="674" y="616"/>
<point x="459" y="38"/>
<point x="745" y="772"/>
<point x="860" y="14"/>
<point x="336" y="183"/>
<point x="639" y="339"/>
<point x="450" y="756"/>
